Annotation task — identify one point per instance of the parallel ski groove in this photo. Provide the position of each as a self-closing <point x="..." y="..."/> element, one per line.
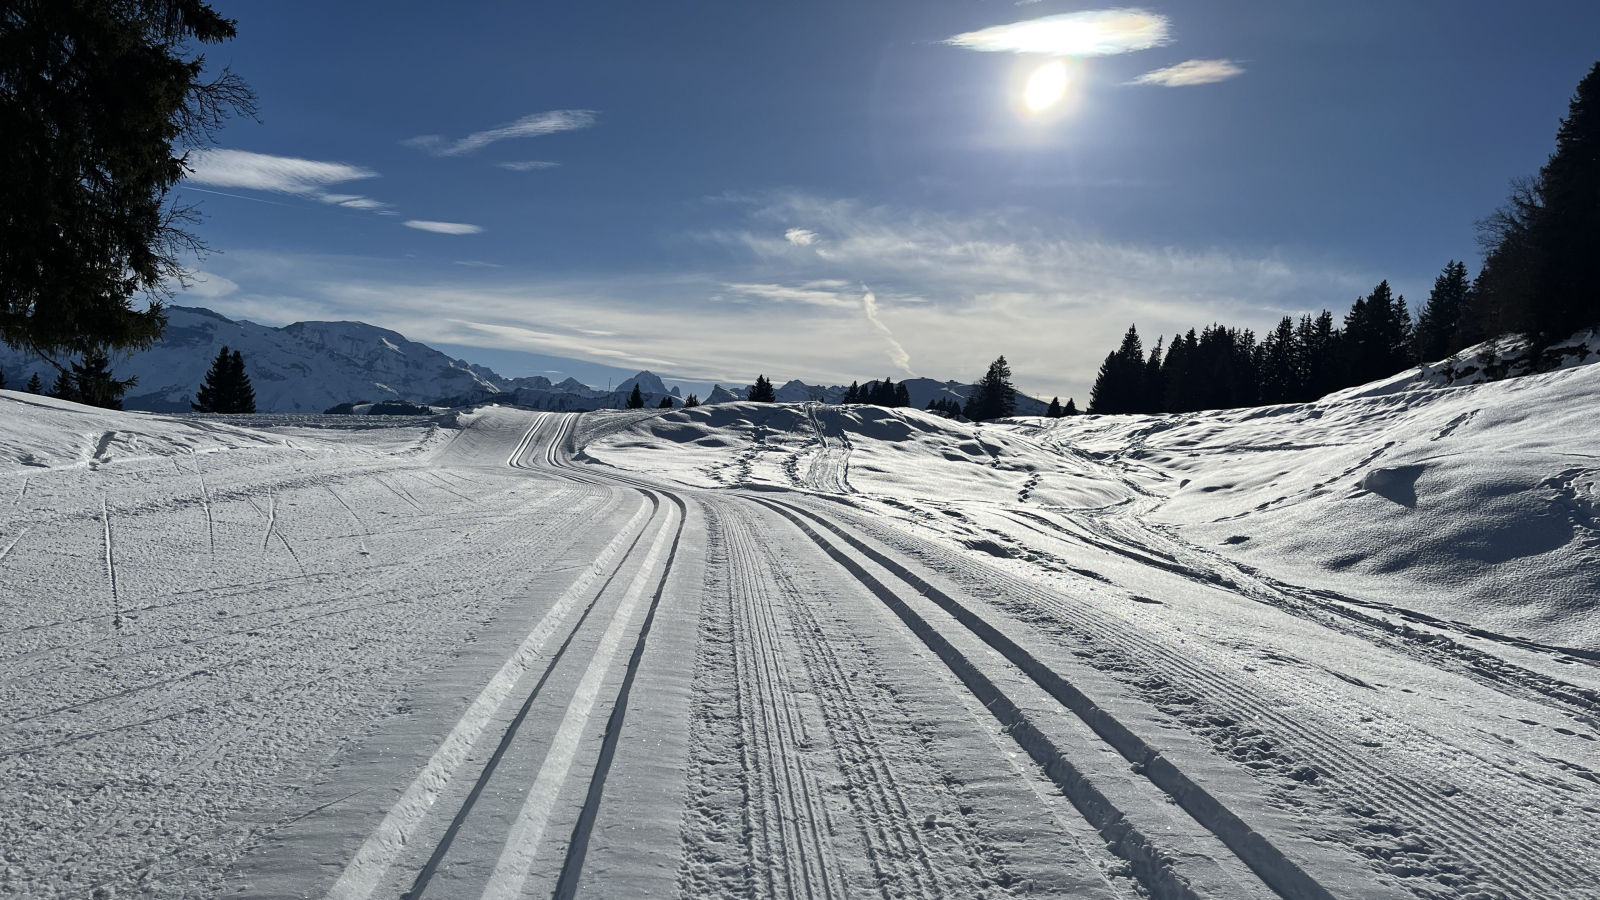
<point x="1507" y="859"/>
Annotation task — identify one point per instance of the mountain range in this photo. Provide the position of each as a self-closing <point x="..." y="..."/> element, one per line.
<point x="308" y="367"/>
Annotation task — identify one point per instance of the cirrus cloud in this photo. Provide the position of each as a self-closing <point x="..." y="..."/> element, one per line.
<point x="1099" y="32"/>
<point x="263" y="172"/>
<point x="442" y="227"/>
<point x="1191" y="72"/>
<point x="528" y="126"/>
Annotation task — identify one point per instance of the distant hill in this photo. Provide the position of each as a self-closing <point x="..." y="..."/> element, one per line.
<point x="308" y="367"/>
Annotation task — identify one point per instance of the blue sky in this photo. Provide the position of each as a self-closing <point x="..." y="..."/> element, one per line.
<point x="838" y="190"/>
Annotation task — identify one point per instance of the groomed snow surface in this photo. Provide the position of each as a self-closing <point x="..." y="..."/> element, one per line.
<point x="1347" y="649"/>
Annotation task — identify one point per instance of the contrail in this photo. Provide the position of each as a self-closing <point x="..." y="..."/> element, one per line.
<point x="897" y="353"/>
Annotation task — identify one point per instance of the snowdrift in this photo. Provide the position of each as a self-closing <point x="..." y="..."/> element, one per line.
<point x="1476" y="504"/>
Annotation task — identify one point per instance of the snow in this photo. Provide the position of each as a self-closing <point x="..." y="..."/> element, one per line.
<point x="1339" y="649"/>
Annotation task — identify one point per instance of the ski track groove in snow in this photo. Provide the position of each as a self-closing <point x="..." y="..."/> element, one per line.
<point x="894" y="844"/>
<point x="1520" y="867"/>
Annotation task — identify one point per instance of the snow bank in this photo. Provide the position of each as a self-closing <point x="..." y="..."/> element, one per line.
<point x="1475" y="504"/>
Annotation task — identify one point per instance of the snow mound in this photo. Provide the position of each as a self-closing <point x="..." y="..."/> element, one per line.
<point x="1473" y="504"/>
<point x="850" y="449"/>
<point x="1496" y="360"/>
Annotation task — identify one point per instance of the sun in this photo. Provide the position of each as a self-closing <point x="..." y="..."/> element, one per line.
<point x="1046" y="86"/>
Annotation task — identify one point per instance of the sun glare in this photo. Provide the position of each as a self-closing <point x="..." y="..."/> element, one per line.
<point x="1045" y="86"/>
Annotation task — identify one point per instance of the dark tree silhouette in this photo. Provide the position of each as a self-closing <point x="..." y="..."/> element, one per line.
<point x="94" y="384"/>
<point x="226" y="388"/>
<point x="34" y="386"/>
<point x="1435" y="333"/>
<point x="693" y="401"/>
<point x="1054" y="411"/>
<point x="993" y="397"/>
<point x="64" y="387"/>
<point x="666" y="403"/>
<point x="1119" y="386"/>
<point x="761" y="391"/>
<point x="1071" y="409"/>
<point x="852" y="394"/>
<point x="96" y="99"/>
<point x="636" y="398"/>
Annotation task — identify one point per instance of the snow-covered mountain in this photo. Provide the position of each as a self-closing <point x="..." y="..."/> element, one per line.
<point x="305" y="367"/>
<point x="308" y="367"/>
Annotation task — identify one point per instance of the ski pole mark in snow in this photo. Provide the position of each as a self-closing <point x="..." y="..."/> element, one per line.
<point x="522" y="844"/>
<point x="111" y="566"/>
<point x="205" y="501"/>
<point x="272" y="520"/>
<point x="362" y="537"/>
<point x="367" y="868"/>
<point x="7" y="550"/>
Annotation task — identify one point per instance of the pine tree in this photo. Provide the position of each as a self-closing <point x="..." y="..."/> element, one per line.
<point x="993" y="397"/>
<point x="761" y="391"/>
<point x="1071" y="409"/>
<point x="1437" y="323"/>
<point x="64" y="387"/>
<point x="1276" y="365"/>
<point x="244" y="395"/>
<point x="1054" y="411"/>
<point x="1152" y="386"/>
<point x="666" y="403"/>
<point x="226" y="388"/>
<point x="852" y="394"/>
<point x="636" y="398"/>
<point x="692" y="402"/>
<point x="902" y="395"/>
<point x="34" y="386"/>
<point x="100" y="100"/>
<point x="1119" y="386"/>
<point x="1566" y="295"/>
<point x="94" y="384"/>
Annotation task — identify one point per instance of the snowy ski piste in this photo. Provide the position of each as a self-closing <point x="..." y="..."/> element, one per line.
<point x="1347" y="649"/>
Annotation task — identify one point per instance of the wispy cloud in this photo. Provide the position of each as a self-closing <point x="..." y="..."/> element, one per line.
<point x="897" y="353"/>
<point x="815" y="293"/>
<point x="529" y="165"/>
<point x="1100" y="32"/>
<point x="800" y="237"/>
<point x="1194" y="71"/>
<point x="442" y="227"/>
<point x="951" y="291"/>
<point x="280" y="174"/>
<point x="528" y="126"/>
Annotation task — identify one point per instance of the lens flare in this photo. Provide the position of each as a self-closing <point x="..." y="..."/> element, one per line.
<point x="1045" y="86"/>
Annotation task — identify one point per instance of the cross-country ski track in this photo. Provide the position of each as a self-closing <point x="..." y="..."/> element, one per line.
<point x="499" y="656"/>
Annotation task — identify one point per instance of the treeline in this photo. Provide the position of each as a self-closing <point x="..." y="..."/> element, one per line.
<point x="1222" y="368"/>
<point x="1540" y="278"/>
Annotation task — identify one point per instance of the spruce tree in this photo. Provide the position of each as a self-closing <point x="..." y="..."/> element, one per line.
<point x="761" y="391"/>
<point x="993" y="397"/>
<point x="64" y="388"/>
<point x="1277" y="371"/>
<point x="1054" y="410"/>
<point x="226" y="388"/>
<point x="95" y="385"/>
<point x="97" y="102"/>
<point x="902" y="395"/>
<point x="2" y="379"/>
<point x="852" y="394"/>
<point x="1437" y="322"/>
<point x="1071" y="409"/>
<point x="636" y="398"/>
<point x="692" y="402"/>
<point x="666" y="403"/>
<point x="34" y="386"/>
<point x="1119" y="386"/>
<point x="1566" y="295"/>
<point x="1152" y="387"/>
<point x="244" y="394"/>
